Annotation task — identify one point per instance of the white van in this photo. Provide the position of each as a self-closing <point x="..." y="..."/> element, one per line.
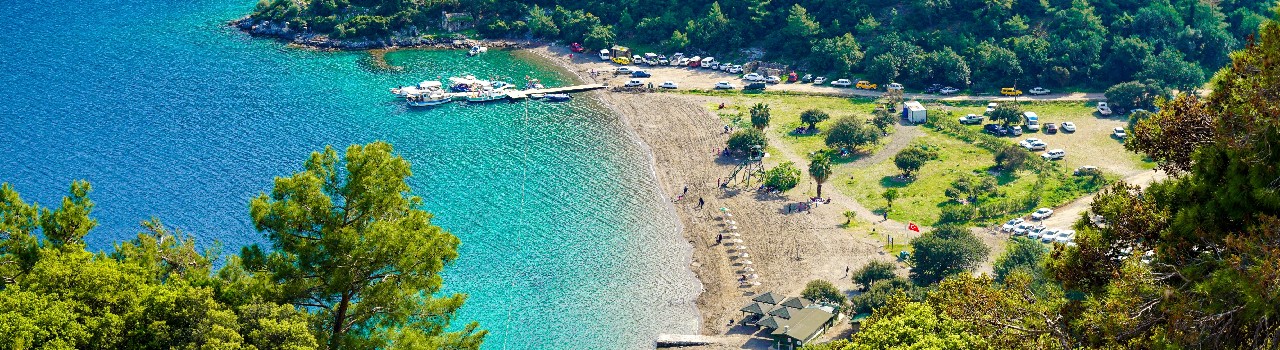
<point x="604" y="55"/>
<point x="1033" y="121"/>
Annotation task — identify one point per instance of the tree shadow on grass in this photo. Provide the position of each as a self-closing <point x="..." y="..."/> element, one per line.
<point x="892" y="181"/>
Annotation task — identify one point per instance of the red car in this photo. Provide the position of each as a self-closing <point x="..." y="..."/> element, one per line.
<point x="576" y="47"/>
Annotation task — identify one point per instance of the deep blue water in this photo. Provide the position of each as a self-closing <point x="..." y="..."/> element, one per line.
<point x="170" y="114"/>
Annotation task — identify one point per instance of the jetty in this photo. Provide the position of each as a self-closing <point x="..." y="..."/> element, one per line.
<point x="521" y="94"/>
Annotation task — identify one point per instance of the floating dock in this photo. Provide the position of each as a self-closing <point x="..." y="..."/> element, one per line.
<point x="521" y="94"/>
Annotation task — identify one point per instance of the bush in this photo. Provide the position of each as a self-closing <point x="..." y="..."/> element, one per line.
<point x="873" y="272"/>
<point x="947" y="250"/>
<point x="912" y="158"/>
<point x="849" y="133"/>
<point x="957" y="213"/>
<point x="823" y="292"/>
<point x="747" y="141"/>
<point x="1012" y="157"/>
<point x="783" y="177"/>
<point x="879" y="292"/>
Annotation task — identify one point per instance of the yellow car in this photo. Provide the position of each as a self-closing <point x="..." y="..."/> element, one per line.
<point x="622" y="60"/>
<point x="1010" y="92"/>
<point x="866" y="85"/>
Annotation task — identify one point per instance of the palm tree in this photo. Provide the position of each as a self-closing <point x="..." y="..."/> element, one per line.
<point x="760" y="116"/>
<point x="820" y="169"/>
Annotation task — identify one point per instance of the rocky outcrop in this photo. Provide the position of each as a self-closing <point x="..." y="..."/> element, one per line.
<point x="282" y="32"/>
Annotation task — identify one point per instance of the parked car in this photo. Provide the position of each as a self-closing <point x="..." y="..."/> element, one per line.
<point x="640" y="74"/>
<point x="1009" y="226"/>
<point x="663" y="61"/>
<point x="819" y="80"/>
<point x="669" y="85"/>
<point x="576" y="47"/>
<point x="866" y="85"/>
<point x="1039" y="91"/>
<point x="807" y="78"/>
<point x="1104" y="109"/>
<point x="634" y="83"/>
<point x="895" y="86"/>
<point x="772" y="79"/>
<point x="1033" y="144"/>
<point x="1033" y="120"/>
<point x="1041" y="214"/>
<point x="1037" y="234"/>
<point x="994" y="129"/>
<point x="971" y="119"/>
<point x="737" y="68"/>
<point x="1022" y="228"/>
<point x="1050" y="128"/>
<point x="1054" y="154"/>
<point x="991" y="107"/>
<point x="1010" y="92"/>
<point x="724" y="85"/>
<point x="948" y="90"/>
<point x="792" y="77"/>
<point x="1118" y="132"/>
<point x="1065" y="236"/>
<point x="933" y="89"/>
<point x="755" y="86"/>
<point x="842" y="83"/>
<point x="623" y="70"/>
<point x="1014" y="131"/>
<point x="753" y="77"/>
<point x="1037" y="230"/>
<point x="1086" y="170"/>
<point x="1068" y="127"/>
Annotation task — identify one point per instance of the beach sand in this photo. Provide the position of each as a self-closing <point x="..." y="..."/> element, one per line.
<point x="788" y="249"/>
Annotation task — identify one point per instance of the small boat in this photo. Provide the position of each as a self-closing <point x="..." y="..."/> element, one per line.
<point x="434" y="99"/>
<point x="537" y="95"/>
<point x="476" y="50"/>
<point x="534" y="84"/>
<point x="486" y="96"/>
<point x="558" y="97"/>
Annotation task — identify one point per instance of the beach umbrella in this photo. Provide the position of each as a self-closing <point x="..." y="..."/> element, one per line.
<point x="741" y="248"/>
<point x="755" y="283"/>
<point x="728" y="214"/>
<point x="736" y="240"/>
<point x="733" y="227"/>
<point x="748" y="269"/>
<point x="735" y="234"/>
<point x="731" y="222"/>
<point x="747" y="262"/>
<point x="753" y="276"/>
<point x="745" y="255"/>
<point x="724" y="209"/>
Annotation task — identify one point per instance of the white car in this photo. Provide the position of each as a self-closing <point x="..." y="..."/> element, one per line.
<point x="1023" y="228"/>
<point x="1065" y="236"/>
<point x="970" y="119"/>
<point x="1041" y="214"/>
<point x="1037" y="230"/>
<point x="948" y="90"/>
<point x="736" y="69"/>
<point x="895" y="86"/>
<point x="1009" y="226"/>
<point x="669" y="85"/>
<point x="819" y="80"/>
<point x="1054" y="154"/>
<point x="1041" y="233"/>
<point x="1068" y="127"/>
<point x="992" y="107"/>
<point x="724" y="85"/>
<point x="842" y="83"/>
<point x="753" y="77"/>
<point x="1029" y="143"/>
<point x="1036" y="145"/>
<point x="1118" y="132"/>
<point x="772" y="79"/>
<point x="634" y="83"/>
<point x="1039" y="91"/>
<point x="623" y="70"/>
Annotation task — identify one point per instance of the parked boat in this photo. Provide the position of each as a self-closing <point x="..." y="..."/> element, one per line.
<point x="558" y="97"/>
<point x="433" y="99"/>
<point x="537" y="95"/>
<point x="476" y="50"/>
<point x="534" y="84"/>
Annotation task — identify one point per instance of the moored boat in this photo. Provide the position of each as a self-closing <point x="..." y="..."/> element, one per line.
<point x="486" y="96"/>
<point x="427" y="100"/>
<point x="476" y="50"/>
<point x="558" y="97"/>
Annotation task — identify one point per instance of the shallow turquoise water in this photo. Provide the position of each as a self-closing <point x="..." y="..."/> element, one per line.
<point x="566" y="242"/>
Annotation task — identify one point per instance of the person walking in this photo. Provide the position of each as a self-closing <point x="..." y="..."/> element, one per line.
<point x="700" y="202"/>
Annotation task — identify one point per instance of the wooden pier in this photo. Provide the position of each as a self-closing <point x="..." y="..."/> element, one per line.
<point x="521" y="94"/>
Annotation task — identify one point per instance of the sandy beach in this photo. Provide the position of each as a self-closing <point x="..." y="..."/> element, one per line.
<point x="787" y="249"/>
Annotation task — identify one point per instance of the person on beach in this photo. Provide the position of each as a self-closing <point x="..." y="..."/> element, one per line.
<point x="719" y="238"/>
<point x="701" y="202"/>
<point x="721" y="105"/>
<point x="686" y="190"/>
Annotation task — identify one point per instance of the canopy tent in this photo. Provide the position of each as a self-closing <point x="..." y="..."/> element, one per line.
<point x="753" y="308"/>
<point x="767" y="298"/>
<point x="781" y="311"/>
<point x="796" y="303"/>
<point x="768" y="321"/>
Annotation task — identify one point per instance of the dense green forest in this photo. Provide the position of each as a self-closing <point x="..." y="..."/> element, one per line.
<point x="353" y="264"/>
<point x="987" y="43"/>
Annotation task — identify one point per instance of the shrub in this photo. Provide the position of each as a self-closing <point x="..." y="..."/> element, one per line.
<point x="823" y="292"/>
<point x="747" y="141"/>
<point x="849" y="133"/>
<point x="873" y="272"/>
<point x="783" y="177"/>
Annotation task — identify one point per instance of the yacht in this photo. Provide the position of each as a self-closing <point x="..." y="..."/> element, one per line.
<point x="427" y="100"/>
<point x="476" y="50"/>
<point x="486" y="96"/>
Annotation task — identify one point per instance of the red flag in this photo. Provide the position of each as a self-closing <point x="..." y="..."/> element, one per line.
<point x="912" y="226"/>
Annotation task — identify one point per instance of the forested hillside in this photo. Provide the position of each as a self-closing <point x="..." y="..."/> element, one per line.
<point x="984" y="42"/>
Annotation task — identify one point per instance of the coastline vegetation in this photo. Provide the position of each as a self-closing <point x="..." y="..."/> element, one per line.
<point x="352" y="264"/>
<point x="986" y="44"/>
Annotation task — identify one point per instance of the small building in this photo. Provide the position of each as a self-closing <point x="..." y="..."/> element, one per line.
<point x="792" y="322"/>
<point x="914" y="112"/>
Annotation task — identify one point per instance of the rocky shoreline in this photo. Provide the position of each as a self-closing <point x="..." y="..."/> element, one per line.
<point x="281" y="31"/>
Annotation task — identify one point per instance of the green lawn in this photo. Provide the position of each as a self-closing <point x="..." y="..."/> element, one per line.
<point x="784" y="112"/>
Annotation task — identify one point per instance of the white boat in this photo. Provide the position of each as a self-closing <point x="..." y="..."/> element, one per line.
<point x="476" y="50"/>
<point x="434" y="99"/>
<point x="486" y="96"/>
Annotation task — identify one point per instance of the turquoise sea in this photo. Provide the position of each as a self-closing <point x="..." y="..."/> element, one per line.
<point x="567" y="243"/>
